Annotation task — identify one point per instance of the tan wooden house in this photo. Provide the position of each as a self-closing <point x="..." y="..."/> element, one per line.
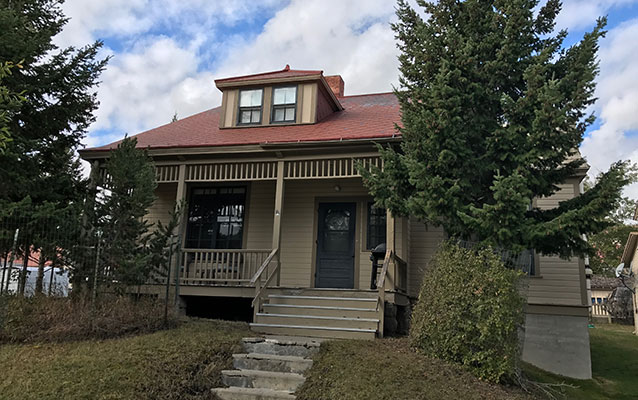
<point x="277" y="213"/>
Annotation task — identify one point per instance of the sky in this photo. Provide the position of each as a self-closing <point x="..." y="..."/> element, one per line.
<point x="165" y="55"/>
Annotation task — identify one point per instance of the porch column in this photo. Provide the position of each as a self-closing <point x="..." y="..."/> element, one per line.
<point x="279" y="204"/>
<point x="180" y="196"/>
<point x="390" y="240"/>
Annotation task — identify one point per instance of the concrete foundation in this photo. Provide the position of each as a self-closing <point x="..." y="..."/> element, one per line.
<point x="558" y="344"/>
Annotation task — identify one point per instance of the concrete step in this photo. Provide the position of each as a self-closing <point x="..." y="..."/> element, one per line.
<point x="239" y="393"/>
<point x="313" y="320"/>
<point x="247" y="378"/>
<point x="326" y="311"/>
<point x="281" y="346"/>
<point x="271" y="362"/>
<point x="314" y="331"/>
<point x="356" y="302"/>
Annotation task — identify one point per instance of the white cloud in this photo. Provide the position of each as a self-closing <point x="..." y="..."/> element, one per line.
<point x="617" y="105"/>
<point x="579" y="14"/>
<point x="352" y="38"/>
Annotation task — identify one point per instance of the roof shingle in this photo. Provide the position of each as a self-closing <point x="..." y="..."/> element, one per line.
<point x="364" y="117"/>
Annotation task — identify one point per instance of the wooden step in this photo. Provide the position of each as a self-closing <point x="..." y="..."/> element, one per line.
<point x="350" y="302"/>
<point x="326" y="292"/>
<point x="314" y="331"/>
<point x="327" y="311"/>
<point x="313" y="320"/>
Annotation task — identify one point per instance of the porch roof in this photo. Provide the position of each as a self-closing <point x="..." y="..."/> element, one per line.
<point x="370" y="116"/>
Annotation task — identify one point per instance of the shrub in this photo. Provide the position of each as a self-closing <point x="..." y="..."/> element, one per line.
<point x="51" y="319"/>
<point x="469" y="312"/>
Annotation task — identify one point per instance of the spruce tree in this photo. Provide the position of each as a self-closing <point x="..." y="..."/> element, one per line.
<point x="58" y="86"/>
<point x="493" y="111"/>
<point x="121" y="211"/>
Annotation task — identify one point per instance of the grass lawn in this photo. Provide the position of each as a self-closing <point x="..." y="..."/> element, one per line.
<point x="614" y="353"/>
<point x="389" y="369"/>
<point x="185" y="363"/>
<point x="181" y="363"/>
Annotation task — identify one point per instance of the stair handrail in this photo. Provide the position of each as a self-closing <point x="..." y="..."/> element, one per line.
<point x="256" y="279"/>
<point x="263" y="266"/>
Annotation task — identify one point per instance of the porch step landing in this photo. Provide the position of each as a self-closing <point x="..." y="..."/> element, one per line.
<point x="321" y="314"/>
<point x="271" y="369"/>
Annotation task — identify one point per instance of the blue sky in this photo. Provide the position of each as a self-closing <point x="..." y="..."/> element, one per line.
<point x="166" y="54"/>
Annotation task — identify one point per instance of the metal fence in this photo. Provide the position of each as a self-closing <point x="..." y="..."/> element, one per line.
<point x="37" y="249"/>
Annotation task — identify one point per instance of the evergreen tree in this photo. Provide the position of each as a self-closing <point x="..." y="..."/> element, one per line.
<point x="58" y="86"/>
<point x="9" y="103"/>
<point x="121" y="211"/>
<point x="493" y="110"/>
<point x="40" y="163"/>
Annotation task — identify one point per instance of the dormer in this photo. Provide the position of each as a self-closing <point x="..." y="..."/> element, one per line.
<point x="285" y="97"/>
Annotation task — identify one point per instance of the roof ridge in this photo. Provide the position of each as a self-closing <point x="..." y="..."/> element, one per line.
<point x="286" y="69"/>
<point x="366" y="94"/>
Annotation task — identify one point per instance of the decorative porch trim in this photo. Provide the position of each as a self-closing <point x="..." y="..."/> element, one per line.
<point x="222" y="172"/>
<point x="329" y="168"/>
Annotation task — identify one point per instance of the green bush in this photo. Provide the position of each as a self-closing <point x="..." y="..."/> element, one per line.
<point x="469" y="312"/>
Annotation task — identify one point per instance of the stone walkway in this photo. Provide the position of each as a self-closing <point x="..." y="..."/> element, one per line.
<point x="270" y="368"/>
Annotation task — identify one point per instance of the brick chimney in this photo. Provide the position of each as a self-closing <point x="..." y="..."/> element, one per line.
<point x="336" y="84"/>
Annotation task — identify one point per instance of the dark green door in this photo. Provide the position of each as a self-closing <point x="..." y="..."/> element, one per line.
<point x="335" y="245"/>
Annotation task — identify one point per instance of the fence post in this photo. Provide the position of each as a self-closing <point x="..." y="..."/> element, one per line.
<point x="13" y="255"/>
<point x="4" y="269"/>
<point x="95" y="272"/>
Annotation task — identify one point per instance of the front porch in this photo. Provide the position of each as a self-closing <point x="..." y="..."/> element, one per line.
<point x="285" y="246"/>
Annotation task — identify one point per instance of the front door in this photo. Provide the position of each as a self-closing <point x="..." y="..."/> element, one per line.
<point x="335" y="245"/>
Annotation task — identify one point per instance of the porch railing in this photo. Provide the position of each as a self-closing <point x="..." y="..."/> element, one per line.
<point x="220" y="266"/>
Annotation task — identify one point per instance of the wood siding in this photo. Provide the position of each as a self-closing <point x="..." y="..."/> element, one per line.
<point x="260" y="215"/>
<point x="561" y="282"/>
<point x="163" y="204"/>
<point x="299" y="228"/>
<point x="424" y="241"/>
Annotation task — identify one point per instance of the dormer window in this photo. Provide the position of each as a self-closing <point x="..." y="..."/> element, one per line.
<point x="250" y="104"/>
<point x="284" y="104"/>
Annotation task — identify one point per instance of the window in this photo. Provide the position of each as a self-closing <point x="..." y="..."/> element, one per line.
<point x="216" y="218"/>
<point x="250" y="106"/>
<point x="376" y="226"/>
<point x="284" y="104"/>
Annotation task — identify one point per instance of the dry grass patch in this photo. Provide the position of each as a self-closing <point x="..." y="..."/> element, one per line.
<point x="51" y="319"/>
<point x="182" y="363"/>
<point x="390" y="369"/>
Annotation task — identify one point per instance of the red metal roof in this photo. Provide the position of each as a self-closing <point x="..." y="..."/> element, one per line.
<point x="284" y="73"/>
<point x="368" y="116"/>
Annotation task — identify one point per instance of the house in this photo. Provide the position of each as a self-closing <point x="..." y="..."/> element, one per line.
<point x="630" y="259"/>
<point x="55" y="282"/>
<point x="278" y="214"/>
<point x="600" y="289"/>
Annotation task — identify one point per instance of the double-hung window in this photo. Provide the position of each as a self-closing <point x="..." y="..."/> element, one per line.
<point x="250" y="104"/>
<point x="284" y="104"/>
